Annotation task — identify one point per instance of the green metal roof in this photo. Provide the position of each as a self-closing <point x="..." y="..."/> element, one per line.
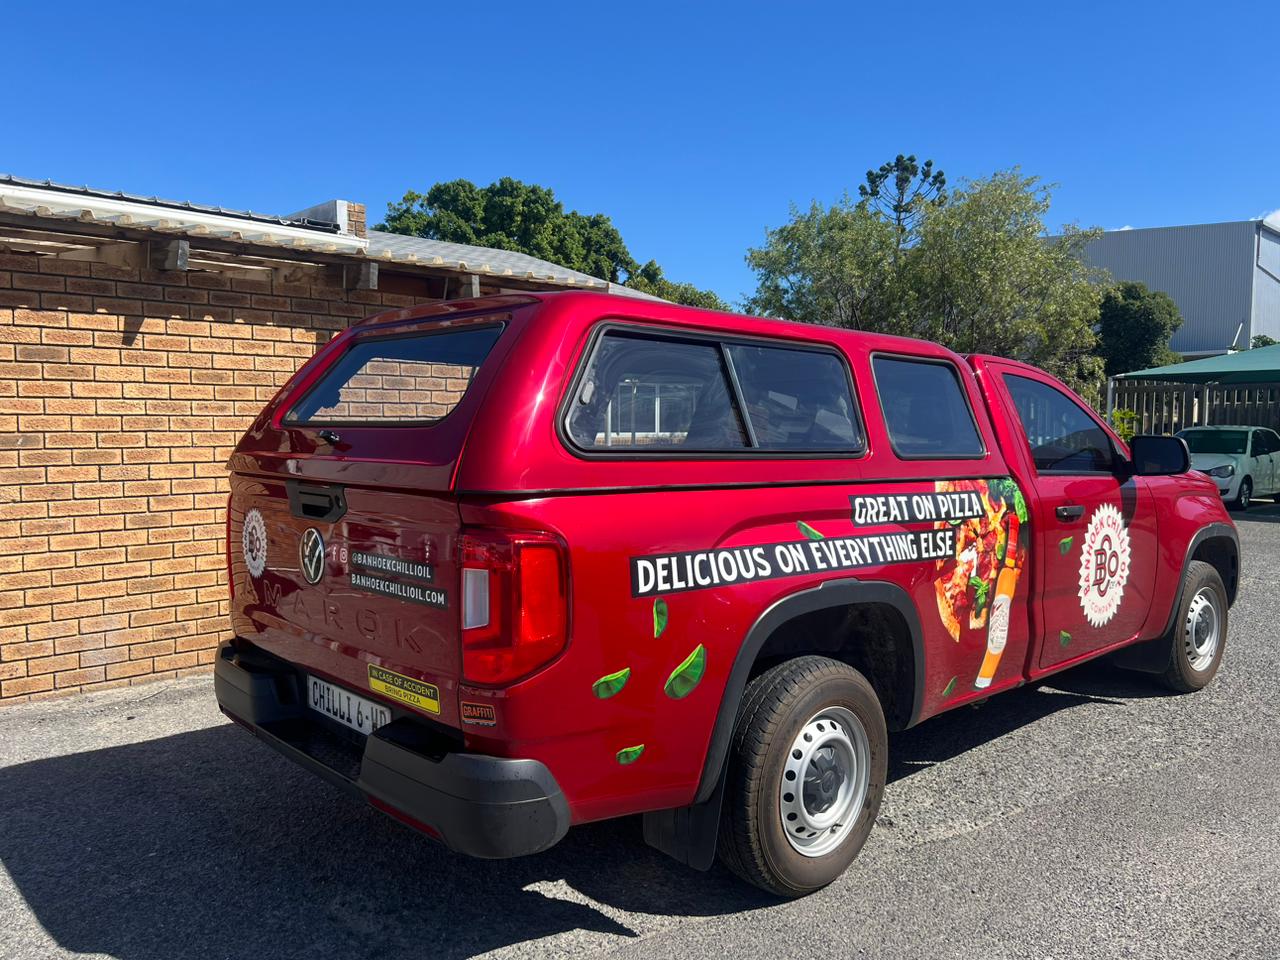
<point x="1248" y="366"/>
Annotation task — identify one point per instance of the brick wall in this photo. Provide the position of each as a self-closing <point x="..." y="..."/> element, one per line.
<point x="399" y="390"/>
<point x="122" y="393"/>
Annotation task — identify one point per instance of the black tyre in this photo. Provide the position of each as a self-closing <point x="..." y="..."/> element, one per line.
<point x="1199" y="635"/>
<point x="806" y="775"/>
<point x="1245" y="495"/>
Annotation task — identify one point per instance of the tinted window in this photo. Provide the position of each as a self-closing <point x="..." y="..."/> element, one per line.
<point x="1062" y="436"/>
<point x="392" y="380"/>
<point x="643" y="392"/>
<point x="1261" y="444"/>
<point x="1215" y="441"/>
<point x="925" y="410"/>
<point x="796" y="399"/>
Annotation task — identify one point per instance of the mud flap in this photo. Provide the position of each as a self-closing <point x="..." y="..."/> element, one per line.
<point x="1150" y="656"/>
<point x="688" y="834"/>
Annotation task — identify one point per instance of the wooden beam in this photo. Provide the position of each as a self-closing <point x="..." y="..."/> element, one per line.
<point x="131" y="255"/>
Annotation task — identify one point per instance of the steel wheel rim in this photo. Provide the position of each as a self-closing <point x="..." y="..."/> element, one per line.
<point x="824" y="781"/>
<point x="1201" y="632"/>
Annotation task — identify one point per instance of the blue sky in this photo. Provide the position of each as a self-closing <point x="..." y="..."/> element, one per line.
<point x="694" y="126"/>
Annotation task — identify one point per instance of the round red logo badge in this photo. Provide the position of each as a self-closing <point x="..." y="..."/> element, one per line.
<point x="1104" y="565"/>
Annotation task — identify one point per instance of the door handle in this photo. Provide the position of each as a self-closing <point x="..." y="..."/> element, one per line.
<point x="1071" y="511"/>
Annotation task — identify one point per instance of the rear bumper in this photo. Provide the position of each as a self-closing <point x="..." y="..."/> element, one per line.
<point x="484" y="806"/>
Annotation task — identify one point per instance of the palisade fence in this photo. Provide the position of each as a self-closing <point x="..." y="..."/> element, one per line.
<point x="1169" y="407"/>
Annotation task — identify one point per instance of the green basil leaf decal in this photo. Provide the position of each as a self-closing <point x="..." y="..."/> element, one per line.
<point x="1019" y="505"/>
<point x="1064" y="545"/>
<point x="980" y="593"/>
<point x="630" y="754"/>
<point x="809" y="532"/>
<point x="1064" y="638"/>
<point x="949" y="688"/>
<point x="611" y="684"/>
<point x="659" y="617"/>
<point x="688" y="675"/>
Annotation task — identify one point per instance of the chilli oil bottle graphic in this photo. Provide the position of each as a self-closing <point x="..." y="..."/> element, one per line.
<point x="998" y="620"/>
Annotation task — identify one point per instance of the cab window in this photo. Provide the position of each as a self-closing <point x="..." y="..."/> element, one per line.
<point x="1062" y="436"/>
<point x="925" y="410"/>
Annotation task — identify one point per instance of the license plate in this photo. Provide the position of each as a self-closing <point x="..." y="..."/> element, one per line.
<point x="361" y="715"/>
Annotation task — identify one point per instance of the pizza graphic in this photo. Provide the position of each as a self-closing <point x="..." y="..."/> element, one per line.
<point x="966" y="589"/>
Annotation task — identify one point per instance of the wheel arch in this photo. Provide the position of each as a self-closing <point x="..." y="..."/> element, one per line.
<point x="689" y="834"/>
<point x="831" y="595"/>
<point x="1217" y="544"/>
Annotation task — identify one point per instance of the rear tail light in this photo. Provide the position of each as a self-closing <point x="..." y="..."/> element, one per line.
<point x="515" y="604"/>
<point x="231" y="580"/>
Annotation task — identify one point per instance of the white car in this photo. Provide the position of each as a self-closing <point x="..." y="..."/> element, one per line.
<point x="1243" y="461"/>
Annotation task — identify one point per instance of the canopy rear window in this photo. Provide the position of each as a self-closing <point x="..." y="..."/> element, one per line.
<point x="393" y="380"/>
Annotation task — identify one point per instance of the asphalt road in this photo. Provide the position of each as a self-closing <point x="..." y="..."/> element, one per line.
<point x="1092" y="816"/>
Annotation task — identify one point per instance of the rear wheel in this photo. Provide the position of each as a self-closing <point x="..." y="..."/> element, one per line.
<point x="1199" y="635"/>
<point x="806" y="775"/>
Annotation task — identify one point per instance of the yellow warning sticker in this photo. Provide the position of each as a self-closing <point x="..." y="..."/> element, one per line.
<point x="416" y="693"/>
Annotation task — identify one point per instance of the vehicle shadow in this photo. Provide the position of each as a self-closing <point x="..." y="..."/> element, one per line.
<point x="205" y="844"/>
<point x="1258" y="513"/>
<point x="958" y="731"/>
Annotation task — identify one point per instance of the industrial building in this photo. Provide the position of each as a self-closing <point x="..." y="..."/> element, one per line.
<point x="1225" y="278"/>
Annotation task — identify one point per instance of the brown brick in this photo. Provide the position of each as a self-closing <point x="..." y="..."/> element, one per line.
<point x="100" y="657"/>
<point x="129" y="668"/>
<point x="53" y="664"/>
<point x="78" y="677"/>
<point x="25" y="685"/>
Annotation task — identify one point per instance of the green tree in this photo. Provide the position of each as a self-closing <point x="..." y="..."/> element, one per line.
<point x="511" y="215"/>
<point x="1134" y="327"/>
<point x="901" y="190"/>
<point x="974" y="273"/>
<point x="831" y="266"/>
<point x="987" y="281"/>
<point x="649" y="279"/>
<point x="1262" y="340"/>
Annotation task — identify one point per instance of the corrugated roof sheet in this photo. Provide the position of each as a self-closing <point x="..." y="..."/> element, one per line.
<point x="320" y="225"/>
<point x="483" y="260"/>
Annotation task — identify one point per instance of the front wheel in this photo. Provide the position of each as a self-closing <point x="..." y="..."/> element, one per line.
<point x="1245" y="496"/>
<point x="1199" y="635"/>
<point x="806" y="775"/>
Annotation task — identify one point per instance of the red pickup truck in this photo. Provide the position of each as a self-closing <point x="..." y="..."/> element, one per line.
<point x="507" y="565"/>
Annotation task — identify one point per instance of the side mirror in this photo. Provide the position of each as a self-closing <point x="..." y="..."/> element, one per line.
<point x="1159" y="456"/>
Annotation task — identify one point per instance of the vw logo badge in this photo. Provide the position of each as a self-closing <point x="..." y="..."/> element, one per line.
<point x="311" y="553"/>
